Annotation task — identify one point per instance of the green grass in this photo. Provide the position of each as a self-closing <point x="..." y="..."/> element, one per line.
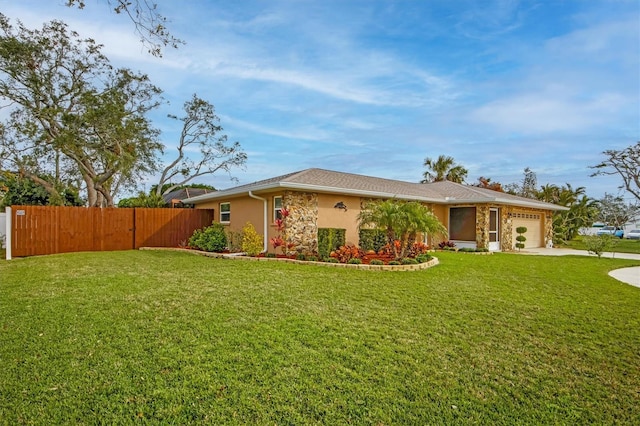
<point x="173" y="338"/>
<point x="620" y="245"/>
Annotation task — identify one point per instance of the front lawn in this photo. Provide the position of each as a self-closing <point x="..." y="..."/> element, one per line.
<point x="619" y="245"/>
<point x="172" y="338"/>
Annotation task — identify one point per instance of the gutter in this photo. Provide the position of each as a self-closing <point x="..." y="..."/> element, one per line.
<point x="266" y="229"/>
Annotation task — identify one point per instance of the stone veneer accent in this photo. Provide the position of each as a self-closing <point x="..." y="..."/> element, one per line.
<point x="548" y="226"/>
<point x="482" y="225"/>
<point x="301" y="227"/>
<point x="506" y="227"/>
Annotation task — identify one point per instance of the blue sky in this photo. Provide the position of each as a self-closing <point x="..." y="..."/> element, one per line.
<point x="374" y="87"/>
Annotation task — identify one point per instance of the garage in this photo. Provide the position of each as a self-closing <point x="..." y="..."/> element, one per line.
<point x="533" y="223"/>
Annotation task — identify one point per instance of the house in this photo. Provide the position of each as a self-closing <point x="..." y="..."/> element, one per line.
<point x="317" y="198"/>
<point x="174" y="199"/>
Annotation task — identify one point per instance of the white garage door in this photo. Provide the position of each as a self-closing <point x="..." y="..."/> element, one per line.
<point x="533" y="223"/>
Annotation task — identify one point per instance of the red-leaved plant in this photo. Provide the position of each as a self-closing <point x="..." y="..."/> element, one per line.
<point x="278" y="240"/>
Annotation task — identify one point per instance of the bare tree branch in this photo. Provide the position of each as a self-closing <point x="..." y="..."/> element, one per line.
<point x="625" y="163"/>
<point x="149" y="24"/>
<point x="200" y="130"/>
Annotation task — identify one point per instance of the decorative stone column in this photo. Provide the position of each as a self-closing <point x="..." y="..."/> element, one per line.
<point x="482" y="226"/>
<point x="301" y="226"/>
<point x="548" y="227"/>
<point x="506" y="227"/>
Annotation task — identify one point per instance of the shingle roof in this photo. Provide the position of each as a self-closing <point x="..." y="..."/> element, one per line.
<point x="184" y="193"/>
<point x="328" y="181"/>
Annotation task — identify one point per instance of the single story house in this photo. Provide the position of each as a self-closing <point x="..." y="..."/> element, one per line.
<point x="317" y="198"/>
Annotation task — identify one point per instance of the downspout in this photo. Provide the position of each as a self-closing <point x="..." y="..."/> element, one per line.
<point x="266" y="229"/>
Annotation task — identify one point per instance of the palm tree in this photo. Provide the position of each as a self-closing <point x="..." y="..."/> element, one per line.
<point x="444" y="168"/>
<point x="401" y="221"/>
<point x="582" y="210"/>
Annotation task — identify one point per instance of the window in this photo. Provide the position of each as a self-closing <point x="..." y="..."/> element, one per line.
<point x="225" y="212"/>
<point x="277" y="208"/>
<point x="493" y="225"/>
<point x="462" y="223"/>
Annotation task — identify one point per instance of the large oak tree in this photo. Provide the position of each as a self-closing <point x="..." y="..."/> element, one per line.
<point x="70" y="110"/>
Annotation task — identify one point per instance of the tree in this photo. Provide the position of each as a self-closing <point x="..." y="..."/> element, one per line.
<point x="612" y="210"/>
<point x="70" y="111"/>
<point x="582" y="210"/>
<point x="626" y="163"/>
<point x="17" y="190"/>
<point x="401" y="221"/>
<point x="444" y="168"/>
<point x="143" y="200"/>
<point x="487" y="184"/>
<point x="149" y="23"/>
<point x="201" y="133"/>
<point x="527" y="187"/>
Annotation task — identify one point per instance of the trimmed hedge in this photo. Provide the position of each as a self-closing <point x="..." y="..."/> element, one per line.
<point x="372" y="239"/>
<point x="330" y="239"/>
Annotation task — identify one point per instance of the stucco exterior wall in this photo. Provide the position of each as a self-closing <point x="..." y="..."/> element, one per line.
<point x="330" y="217"/>
<point x="243" y="210"/>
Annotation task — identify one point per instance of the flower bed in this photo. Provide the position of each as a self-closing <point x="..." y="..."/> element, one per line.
<point x="282" y="258"/>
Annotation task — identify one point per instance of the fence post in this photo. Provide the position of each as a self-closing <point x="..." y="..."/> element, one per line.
<point x="8" y="234"/>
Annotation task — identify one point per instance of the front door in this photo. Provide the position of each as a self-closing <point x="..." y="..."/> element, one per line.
<point x="494" y="230"/>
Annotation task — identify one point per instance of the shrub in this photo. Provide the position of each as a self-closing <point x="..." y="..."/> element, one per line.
<point x="408" y="261"/>
<point x="330" y="239"/>
<point x="212" y="238"/>
<point x="386" y="250"/>
<point x="301" y="256"/>
<point x="193" y="240"/>
<point x="446" y="244"/>
<point x="312" y="258"/>
<point x="348" y="252"/>
<point x="235" y="239"/>
<point x="482" y="250"/>
<point x="417" y="249"/>
<point x="393" y="262"/>
<point x="423" y="258"/>
<point x="376" y="262"/>
<point x="521" y="238"/>
<point x="354" y="261"/>
<point x="271" y="255"/>
<point x="332" y="260"/>
<point x="598" y="244"/>
<point x="372" y="239"/>
<point x="252" y="243"/>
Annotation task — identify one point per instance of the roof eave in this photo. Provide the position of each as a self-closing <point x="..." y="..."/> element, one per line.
<point x="497" y="200"/>
<point x="305" y="187"/>
<point x="358" y="192"/>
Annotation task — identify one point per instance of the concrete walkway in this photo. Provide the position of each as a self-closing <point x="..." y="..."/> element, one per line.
<point x="626" y="275"/>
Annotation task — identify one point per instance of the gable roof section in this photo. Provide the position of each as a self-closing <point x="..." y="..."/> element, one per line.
<point x="327" y="181"/>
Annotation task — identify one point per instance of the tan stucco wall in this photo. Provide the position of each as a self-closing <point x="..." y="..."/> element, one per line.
<point x="243" y="210"/>
<point x="330" y="217"/>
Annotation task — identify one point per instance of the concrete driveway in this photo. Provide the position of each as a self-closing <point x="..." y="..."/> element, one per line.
<point x="626" y="275"/>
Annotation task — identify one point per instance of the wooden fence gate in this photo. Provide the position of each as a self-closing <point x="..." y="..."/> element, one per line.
<point x="38" y="230"/>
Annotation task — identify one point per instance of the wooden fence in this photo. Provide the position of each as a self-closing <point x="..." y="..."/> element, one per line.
<point x="38" y="230"/>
